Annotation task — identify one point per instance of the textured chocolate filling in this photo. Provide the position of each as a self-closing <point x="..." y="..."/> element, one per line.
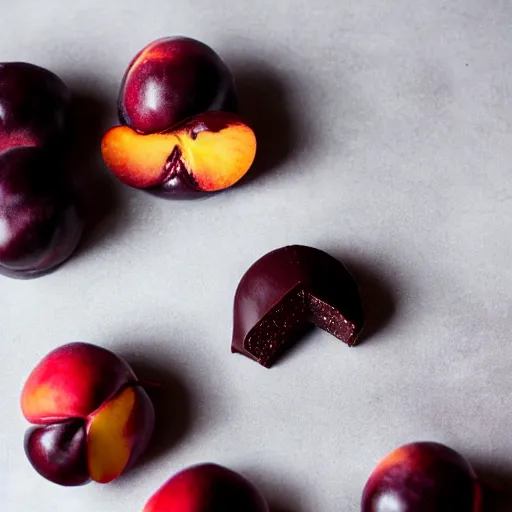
<point x="329" y="319"/>
<point x="284" y="323"/>
<point x="288" y="320"/>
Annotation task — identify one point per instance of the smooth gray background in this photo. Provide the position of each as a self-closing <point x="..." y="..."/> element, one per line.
<point x="385" y="138"/>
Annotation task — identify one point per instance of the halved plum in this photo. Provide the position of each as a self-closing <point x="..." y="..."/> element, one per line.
<point x="206" y="153"/>
<point x="180" y="135"/>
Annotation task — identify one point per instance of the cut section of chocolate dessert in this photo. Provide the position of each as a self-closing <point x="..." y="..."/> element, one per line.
<point x="286" y="292"/>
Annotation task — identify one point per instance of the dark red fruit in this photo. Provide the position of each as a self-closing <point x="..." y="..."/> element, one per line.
<point x="58" y="453"/>
<point x="171" y="79"/>
<point x="94" y="418"/>
<point x="207" y="488"/>
<point x="39" y="221"/>
<point x="34" y="106"/>
<point x="207" y="153"/>
<point x="422" y="477"/>
<point x="181" y="136"/>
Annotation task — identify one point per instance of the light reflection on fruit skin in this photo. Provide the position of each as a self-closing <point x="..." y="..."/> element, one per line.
<point x="92" y="417"/>
<point x="172" y="79"/>
<point x="207" y="488"/>
<point x="40" y="221"/>
<point x="180" y="135"/>
<point x="422" y="477"/>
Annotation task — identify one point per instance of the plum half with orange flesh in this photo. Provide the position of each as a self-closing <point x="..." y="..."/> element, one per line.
<point x="206" y="153"/>
<point x="180" y="135"/>
<point x="92" y="417"/>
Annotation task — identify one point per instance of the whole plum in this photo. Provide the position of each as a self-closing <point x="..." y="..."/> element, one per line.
<point x="422" y="477"/>
<point x="40" y="222"/>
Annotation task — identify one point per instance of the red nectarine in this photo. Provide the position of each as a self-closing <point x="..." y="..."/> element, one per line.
<point x="207" y="488"/>
<point x="94" y="417"/>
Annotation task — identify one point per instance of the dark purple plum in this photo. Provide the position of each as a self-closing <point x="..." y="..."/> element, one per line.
<point x="422" y="477"/>
<point x="172" y="79"/>
<point x="39" y="221"/>
<point x="181" y="136"/>
<point x="58" y="452"/>
<point x="40" y="225"/>
<point x="34" y="106"/>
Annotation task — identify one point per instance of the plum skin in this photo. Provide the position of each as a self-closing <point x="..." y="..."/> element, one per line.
<point x="40" y="222"/>
<point x="35" y="106"/>
<point x="207" y="488"/>
<point x="40" y="219"/>
<point x="57" y="452"/>
<point x="92" y="417"/>
<point x="422" y="477"/>
<point x="174" y="91"/>
<point x="172" y="79"/>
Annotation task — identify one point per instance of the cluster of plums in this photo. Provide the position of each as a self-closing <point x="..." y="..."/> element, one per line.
<point x="180" y="136"/>
<point x="40" y="224"/>
<point x="94" y="419"/>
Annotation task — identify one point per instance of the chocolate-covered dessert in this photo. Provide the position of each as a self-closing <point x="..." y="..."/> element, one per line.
<point x="286" y="292"/>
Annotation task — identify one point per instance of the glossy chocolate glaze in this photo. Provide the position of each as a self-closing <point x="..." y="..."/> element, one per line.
<point x="284" y="293"/>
